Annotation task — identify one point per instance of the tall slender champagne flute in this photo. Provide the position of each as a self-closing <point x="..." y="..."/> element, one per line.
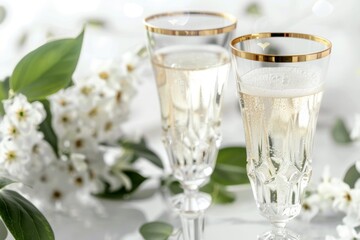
<point x="280" y="78"/>
<point x="191" y="67"/>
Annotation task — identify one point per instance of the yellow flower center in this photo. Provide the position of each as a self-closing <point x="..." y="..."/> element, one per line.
<point x="65" y="119"/>
<point x="79" y="143"/>
<point x="118" y="96"/>
<point x="10" y="156"/>
<point x="348" y="197"/>
<point x="57" y="195"/>
<point x="130" y="68"/>
<point x="21" y="114"/>
<point x="86" y="90"/>
<point x="63" y="102"/>
<point x="108" y="126"/>
<point x="13" y="131"/>
<point x="93" y="112"/>
<point x="104" y="75"/>
<point x="306" y="207"/>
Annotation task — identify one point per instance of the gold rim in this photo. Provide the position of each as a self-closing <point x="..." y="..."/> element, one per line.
<point x="183" y="32"/>
<point x="281" y="58"/>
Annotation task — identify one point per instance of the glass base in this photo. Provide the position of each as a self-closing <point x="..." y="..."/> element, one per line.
<point x="191" y="204"/>
<point x="283" y="235"/>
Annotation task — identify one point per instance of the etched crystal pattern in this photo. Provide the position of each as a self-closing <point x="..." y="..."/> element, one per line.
<point x="190" y="84"/>
<point x="279" y="136"/>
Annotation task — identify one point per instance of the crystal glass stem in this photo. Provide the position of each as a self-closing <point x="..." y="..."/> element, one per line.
<point x="193" y="226"/>
<point x="278" y="230"/>
<point x="191" y="206"/>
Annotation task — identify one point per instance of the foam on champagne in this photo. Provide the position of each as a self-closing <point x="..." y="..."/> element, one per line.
<point x="281" y="82"/>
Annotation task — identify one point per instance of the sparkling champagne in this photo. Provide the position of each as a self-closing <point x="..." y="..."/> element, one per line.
<point x="279" y="108"/>
<point x="190" y="82"/>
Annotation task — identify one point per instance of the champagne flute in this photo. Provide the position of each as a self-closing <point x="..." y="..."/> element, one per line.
<point x="280" y="78"/>
<point x="191" y="66"/>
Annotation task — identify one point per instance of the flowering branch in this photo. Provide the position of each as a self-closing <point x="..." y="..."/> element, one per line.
<point x="56" y="132"/>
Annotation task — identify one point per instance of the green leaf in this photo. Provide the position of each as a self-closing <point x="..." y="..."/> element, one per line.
<point x="47" y="129"/>
<point x="47" y="69"/>
<point x="5" y="181"/>
<point x="123" y="193"/>
<point x="253" y="9"/>
<point x="172" y="184"/>
<point x="97" y="22"/>
<point x="351" y="176"/>
<point x="2" y="14"/>
<point x="22" y="40"/>
<point x="141" y="150"/>
<point x="4" y="93"/>
<point x="218" y="193"/>
<point x="340" y="132"/>
<point x="3" y="231"/>
<point x="230" y="168"/>
<point x="156" y="231"/>
<point x="23" y="220"/>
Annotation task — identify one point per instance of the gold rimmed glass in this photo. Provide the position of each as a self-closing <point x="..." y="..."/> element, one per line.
<point x="191" y="64"/>
<point x="280" y="81"/>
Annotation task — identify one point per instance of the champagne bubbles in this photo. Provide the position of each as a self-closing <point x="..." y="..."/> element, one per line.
<point x="284" y="81"/>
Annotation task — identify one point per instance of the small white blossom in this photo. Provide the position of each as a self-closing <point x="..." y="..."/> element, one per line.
<point x="9" y="129"/>
<point x="129" y="62"/>
<point x="347" y="233"/>
<point x="22" y="113"/>
<point x="78" y="160"/>
<point x="329" y="190"/>
<point x="334" y="194"/>
<point x="12" y="158"/>
<point x="63" y="100"/>
<point x="310" y="207"/>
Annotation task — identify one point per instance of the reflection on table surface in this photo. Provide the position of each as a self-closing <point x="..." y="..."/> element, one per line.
<point x="238" y="220"/>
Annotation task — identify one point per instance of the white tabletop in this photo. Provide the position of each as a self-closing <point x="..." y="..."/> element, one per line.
<point x="239" y="220"/>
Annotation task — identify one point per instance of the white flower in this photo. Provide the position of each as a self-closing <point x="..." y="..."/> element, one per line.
<point x="130" y="61"/>
<point x="63" y="100"/>
<point x="22" y="113"/>
<point x="111" y="170"/>
<point x="110" y="131"/>
<point x="119" y="83"/>
<point x="349" y="201"/>
<point x="9" y="129"/>
<point x="347" y="233"/>
<point x="12" y="158"/>
<point x="52" y="187"/>
<point x="64" y="122"/>
<point x="84" y="142"/>
<point x="310" y="207"/>
<point x="329" y="190"/>
<point x="78" y="160"/>
<point x="90" y="92"/>
<point x="41" y="155"/>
